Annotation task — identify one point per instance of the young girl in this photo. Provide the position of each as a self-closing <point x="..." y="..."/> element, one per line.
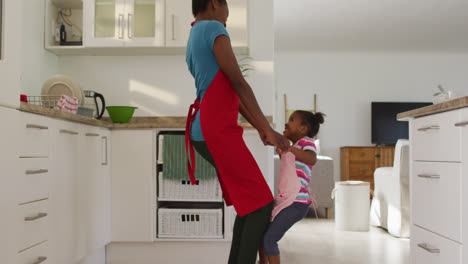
<point x="213" y="131"/>
<point x="293" y="200"/>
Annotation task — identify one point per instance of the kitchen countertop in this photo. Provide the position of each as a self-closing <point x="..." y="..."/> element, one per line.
<point x="136" y="122"/>
<point x="433" y="109"/>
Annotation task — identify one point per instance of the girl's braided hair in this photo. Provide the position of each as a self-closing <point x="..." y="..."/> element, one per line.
<point x="312" y="121"/>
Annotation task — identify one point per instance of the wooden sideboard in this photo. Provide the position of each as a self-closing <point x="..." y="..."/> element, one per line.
<point x="359" y="163"/>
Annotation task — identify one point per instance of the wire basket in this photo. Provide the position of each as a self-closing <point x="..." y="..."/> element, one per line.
<point x="190" y="223"/>
<point x="206" y="190"/>
<point x="50" y="101"/>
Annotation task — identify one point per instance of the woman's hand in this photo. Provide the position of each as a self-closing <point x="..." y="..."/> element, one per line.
<point x="273" y="138"/>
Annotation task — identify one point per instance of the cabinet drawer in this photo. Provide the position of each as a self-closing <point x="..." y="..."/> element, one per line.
<point x="34" y="180"/>
<point x="436" y="138"/>
<point x="429" y="248"/>
<point x="33" y="223"/>
<point x="360" y="154"/>
<point x="359" y="170"/>
<point x="436" y="192"/>
<point x="34" y="136"/>
<point x="38" y="254"/>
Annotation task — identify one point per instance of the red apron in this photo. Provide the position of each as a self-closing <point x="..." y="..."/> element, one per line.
<point x="241" y="180"/>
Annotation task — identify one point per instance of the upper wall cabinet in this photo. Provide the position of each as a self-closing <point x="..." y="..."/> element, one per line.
<point x="178" y="19"/>
<point x="130" y="27"/>
<point x="130" y="23"/>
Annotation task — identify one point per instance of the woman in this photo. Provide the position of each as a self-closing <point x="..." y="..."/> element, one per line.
<point x="213" y="130"/>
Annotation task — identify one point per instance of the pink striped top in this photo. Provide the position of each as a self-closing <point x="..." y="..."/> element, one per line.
<point x="304" y="170"/>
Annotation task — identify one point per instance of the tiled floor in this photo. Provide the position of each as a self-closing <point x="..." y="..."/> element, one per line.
<point x="317" y="242"/>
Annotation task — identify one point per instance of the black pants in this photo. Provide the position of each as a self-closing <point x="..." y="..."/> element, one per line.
<point x="248" y="229"/>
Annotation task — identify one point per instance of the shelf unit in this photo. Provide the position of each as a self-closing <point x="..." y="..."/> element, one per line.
<point x="179" y="203"/>
<point x="51" y="26"/>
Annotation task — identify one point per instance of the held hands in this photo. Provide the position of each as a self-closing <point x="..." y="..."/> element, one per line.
<point x="273" y="138"/>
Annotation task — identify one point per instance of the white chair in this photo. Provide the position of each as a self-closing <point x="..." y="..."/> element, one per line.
<point x="390" y="205"/>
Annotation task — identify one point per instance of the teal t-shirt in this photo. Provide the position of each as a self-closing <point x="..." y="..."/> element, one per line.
<point x="202" y="63"/>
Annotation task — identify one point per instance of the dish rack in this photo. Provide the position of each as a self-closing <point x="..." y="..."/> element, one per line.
<point x="50" y="101"/>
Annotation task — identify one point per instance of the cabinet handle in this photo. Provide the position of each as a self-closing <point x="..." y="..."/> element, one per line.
<point x="429" y="128"/>
<point x="29" y="172"/>
<point x="92" y="135"/>
<point x="36" y="217"/>
<point x="429" y="176"/>
<point x="40" y="260"/>
<point x="173" y="27"/>
<point x="426" y="247"/>
<point x="362" y="154"/>
<point x="362" y="169"/>
<point x="36" y="126"/>
<point x="130" y="26"/>
<point x="121" y="18"/>
<point x="462" y="124"/>
<point x="105" y="152"/>
<point x="64" y="131"/>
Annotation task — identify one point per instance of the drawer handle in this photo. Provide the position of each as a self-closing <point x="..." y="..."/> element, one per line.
<point x="29" y="172"/>
<point x="36" y="217"/>
<point x="92" y="135"/>
<point x="362" y="169"/>
<point x="462" y="124"/>
<point x="428" y="128"/>
<point x="64" y="131"/>
<point x="362" y="154"/>
<point x="426" y="247"/>
<point x="429" y="176"/>
<point x="40" y="260"/>
<point x="36" y="126"/>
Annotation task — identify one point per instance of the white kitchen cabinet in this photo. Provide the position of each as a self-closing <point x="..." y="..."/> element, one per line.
<point x="93" y="189"/>
<point x="132" y="186"/>
<point x="8" y="165"/>
<point x="81" y="191"/>
<point x="463" y="124"/>
<point x="178" y="19"/>
<point x="439" y="188"/>
<point x="65" y="241"/>
<point x="119" y="23"/>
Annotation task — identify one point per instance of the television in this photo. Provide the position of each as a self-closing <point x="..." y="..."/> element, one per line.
<point x="386" y="130"/>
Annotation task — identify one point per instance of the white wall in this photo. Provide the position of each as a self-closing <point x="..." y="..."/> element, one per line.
<point x="347" y="83"/>
<point x="37" y="64"/>
<point x="9" y="62"/>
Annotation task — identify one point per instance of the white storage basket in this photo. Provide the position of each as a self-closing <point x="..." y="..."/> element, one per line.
<point x="190" y="223"/>
<point x="183" y="190"/>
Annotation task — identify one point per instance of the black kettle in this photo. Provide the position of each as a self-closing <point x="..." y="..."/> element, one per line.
<point x="95" y="95"/>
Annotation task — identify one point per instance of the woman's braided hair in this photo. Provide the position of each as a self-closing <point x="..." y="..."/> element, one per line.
<point x="312" y="121"/>
<point x="201" y="5"/>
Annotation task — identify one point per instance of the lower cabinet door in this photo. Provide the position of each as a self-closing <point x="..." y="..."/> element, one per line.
<point x="429" y="248"/>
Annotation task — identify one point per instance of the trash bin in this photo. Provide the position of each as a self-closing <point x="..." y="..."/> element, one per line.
<point x="351" y="205"/>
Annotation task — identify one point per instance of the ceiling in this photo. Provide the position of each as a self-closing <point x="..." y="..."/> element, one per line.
<point x="371" y="25"/>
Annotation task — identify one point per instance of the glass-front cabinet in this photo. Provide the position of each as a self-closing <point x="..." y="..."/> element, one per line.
<point x="116" y="23"/>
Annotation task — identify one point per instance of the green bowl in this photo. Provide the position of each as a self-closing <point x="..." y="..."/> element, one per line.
<point x="120" y="114"/>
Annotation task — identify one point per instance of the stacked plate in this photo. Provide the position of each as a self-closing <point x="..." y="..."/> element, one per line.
<point x="59" y="85"/>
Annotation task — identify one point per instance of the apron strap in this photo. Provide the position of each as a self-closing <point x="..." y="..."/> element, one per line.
<point x="188" y="143"/>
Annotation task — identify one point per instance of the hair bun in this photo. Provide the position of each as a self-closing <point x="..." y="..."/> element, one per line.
<point x="319" y="117"/>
